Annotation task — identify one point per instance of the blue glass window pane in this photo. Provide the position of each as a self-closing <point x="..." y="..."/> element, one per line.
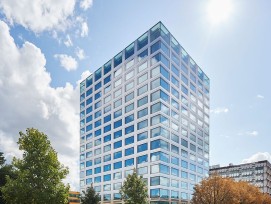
<point x="107" y="67"/>
<point x="142" y="136"/>
<point x="175" y="70"/>
<point x="164" y="96"/>
<point x="174" y="81"/>
<point x="142" y="124"/>
<point x="184" y="90"/>
<point x="129" y="151"/>
<point x="107" y="138"/>
<point x="89" y="127"/>
<point x="184" y="79"/>
<point x="118" y="59"/>
<point x="107" y="79"/>
<point x="142" y="113"/>
<point x="97" y="170"/>
<point x="164" y="169"/>
<point x="129" y="140"/>
<point x="142" y="159"/>
<point x="129" y="118"/>
<point x="97" y="179"/>
<point x="97" y="133"/>
<point x="164" y="72"/>
<point x="98" y="74"/>
<point x="98" y="104"/>
<point x="107" y="177"/>
<point x="184" y="69"/>
<point x="117" y="113"/>
<point x="129" y="129"/>
<point x="89" y="118"/>
<point x="82" y="97"/>
<point x="107" y="167"/>
<point x="98" y="95"/>
<point x="142" y="147"/>
<point x="184" y="164"/>
<point x="142" y="41"/>
<point x="117" y="134"/>
<point x="117" y="165"/>
<point x="129" y="51"/>
<point x="175" y="45"/>
<point x="88" y="163"/>
<point x="107" y="158"/>
<point x="89" y="91"/>
<point x="98" y="114"/>
<point x="164" y="84"/>
<point x="89" y="81"/>
<point x="107" y="128"/>
<point x="129" y="162"/>
<point x="117" y="123"/>
<point x="117" y="155"/>
<point x="97" y="123"/>
<point x="89" y="101"/>
<point x="107" y="118"/>
<point x="142" y="101"/>
<point x="117" y="144"/>
<point x="193" y="88"/>
<point x="98" y="85"/>
<point x="142" y="55"/>
<point x="175" y="59"/>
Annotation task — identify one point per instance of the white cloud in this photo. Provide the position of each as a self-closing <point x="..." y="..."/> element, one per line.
<point x="220" y="110"/>
<point x="67" y="62"/>
<point x="39" y="15"/>
<point x="80" y="53"/>
<point x="68" y="41"/>
<point x="252" y="133"/>
<point x="85" y="4"/>
<point x="84" y="29"/>
<point x="260" y="96"/>
<point x="28" y="100"/>
<point x="249" y="133"/>
<point x="258" y="157"/>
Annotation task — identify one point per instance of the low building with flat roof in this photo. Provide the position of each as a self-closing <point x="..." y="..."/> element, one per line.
<point x="256" y="173"/>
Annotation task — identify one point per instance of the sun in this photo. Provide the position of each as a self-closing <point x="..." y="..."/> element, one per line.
<point x="219" y="11"/>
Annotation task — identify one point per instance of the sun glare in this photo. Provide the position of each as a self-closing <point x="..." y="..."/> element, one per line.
<point x="219" y="11"/>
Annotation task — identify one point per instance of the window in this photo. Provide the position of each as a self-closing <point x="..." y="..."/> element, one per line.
<point x="129" y="129"/>
<point x="142" y="66"/>
<point x="107" y="67"/>
<point x="129" y="118"/>
<point x="129" y="151"/>
<point x="142" y="136"/>
<point x="98" y="74"/>
<point x="117" y="144"/>
<point x="142" y="147"/>
<point x="142" y="124"/>
<point x="129" y="108"/>
<point x="129" y="162"/>
<point x="117" y="155"/>
<point x="130" y="64"/>
<point x="142" y="101"/>
<point x="160" y="58"/>
<point x="142" y="90"/>
<point x="117" y="82"/>
<point x="129" y="85"/>
<point x="142" y="78"/>
<point x="129" y="75"/>
<point x="142" y="159"/>
<point x="117" y="113"/>
<point x="117" y="93"/>
<point x="159" y="144"/>
<point x="142" y="55"/>
<point x="118" y="59"/>
<point x="129" y="51"/>
<point x="159" y="131"/>
<point x="142" y="113"/>
<point x="142" y="41"/>
<point x="107" y="167"/>
<point x="107" y="148"/>
<point x="129" y="97"/>
<point x="117" y="103"/>
<point x="129" y="140"/>
<point x="117" y="124"/>
<point x="117" y="134"/>
<point x="107" y="118"/>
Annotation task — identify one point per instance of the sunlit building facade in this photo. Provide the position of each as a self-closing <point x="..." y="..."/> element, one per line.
<point x="147" y="109"/>
<point x="256" y="173"/>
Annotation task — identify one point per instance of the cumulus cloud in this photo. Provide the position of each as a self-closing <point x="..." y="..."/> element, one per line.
<point x="80" y="53"/>
<point x="67" y="62"/>
<point x="28" y="100"/>
<point x="39" y="15"/>
<point x="85" y="4"/>
<point x="260" y="96"/>
<point x="84" y="29"/>
<point x="220" y="110"/>
<point x="68" y="42"/>
<point x="258" y="157"/>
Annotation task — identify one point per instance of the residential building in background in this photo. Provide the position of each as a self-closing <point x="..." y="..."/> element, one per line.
<point x="147" y="109"/>
<point x="74" y="197"/>
<point x="256" y="173"/>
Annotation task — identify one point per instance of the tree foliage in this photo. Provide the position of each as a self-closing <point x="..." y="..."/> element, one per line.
<point x="39" y="174"/>
<point x="6" y="170"/>
<point x="218" y="190"/>
<point x="90" y="196"/>
<point x="134" y="190"/>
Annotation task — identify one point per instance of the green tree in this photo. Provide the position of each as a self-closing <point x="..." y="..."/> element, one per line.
<point x="5" y="170"/>
<point x="134" y="190"/>
<point x="39" y="174"/>
<point x="90" y="196"/>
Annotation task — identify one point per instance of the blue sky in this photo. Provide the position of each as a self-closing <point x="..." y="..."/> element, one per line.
<point x="45" y="48"/>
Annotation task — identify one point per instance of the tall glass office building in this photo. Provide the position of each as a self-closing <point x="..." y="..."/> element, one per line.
<point x="147" y="109"/>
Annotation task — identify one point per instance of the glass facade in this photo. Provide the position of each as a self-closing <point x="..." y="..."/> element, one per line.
<point x="146" y="109"/>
